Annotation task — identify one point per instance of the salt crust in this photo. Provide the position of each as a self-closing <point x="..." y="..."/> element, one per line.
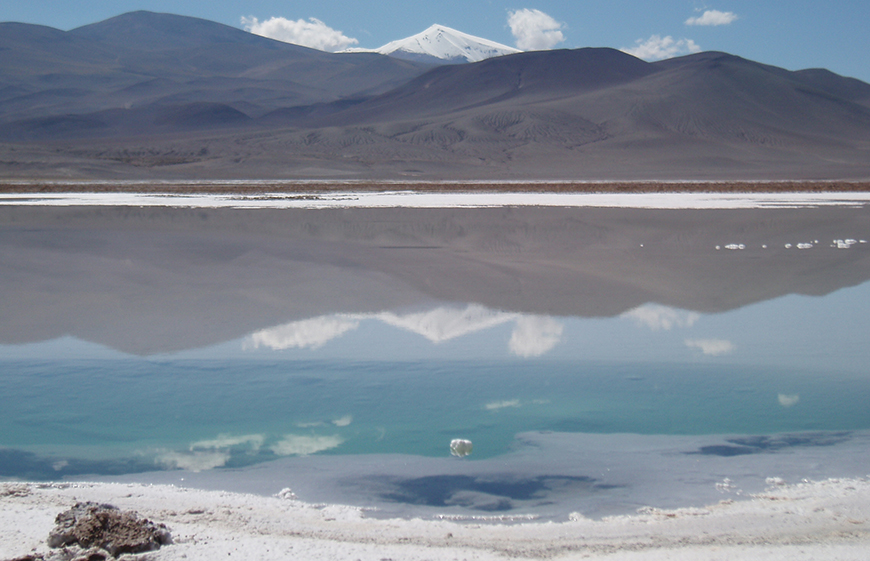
<point x="416" y="199"/>
<point x="827" y="519"/>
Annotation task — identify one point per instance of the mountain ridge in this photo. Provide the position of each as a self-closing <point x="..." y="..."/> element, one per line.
<point x="220" y="102"/>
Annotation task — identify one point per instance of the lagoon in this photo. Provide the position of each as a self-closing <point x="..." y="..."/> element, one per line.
<point x="600" y="359"/>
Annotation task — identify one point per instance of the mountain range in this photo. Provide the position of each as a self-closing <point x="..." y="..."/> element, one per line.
<point x="146" y="95"/>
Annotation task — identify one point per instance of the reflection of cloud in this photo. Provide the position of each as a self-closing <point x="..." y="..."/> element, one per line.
<point x="227" y="441"/>
<point x="343" y="421"/>
<point x="301" y="445"/>
<point x="193" y="461"/>
<point x="712" y="347"/>
<point x="496" y="405"/>
<point x="534" y="335"/>
<point x="443" y="324"/>
<point x="309" y="333"/>
<point x="656" y="316"/>
<point x="788" y="400"/>
<point x="209" y="454"/>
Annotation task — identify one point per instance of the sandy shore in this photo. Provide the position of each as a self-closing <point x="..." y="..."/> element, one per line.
<point x="814" y="520"/>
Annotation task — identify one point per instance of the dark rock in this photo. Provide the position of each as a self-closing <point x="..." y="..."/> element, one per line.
<point x="91" y="525"/>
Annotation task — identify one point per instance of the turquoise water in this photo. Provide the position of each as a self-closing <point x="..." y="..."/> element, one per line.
<point x="134" y="340"/>
<point x="116" y="415"/>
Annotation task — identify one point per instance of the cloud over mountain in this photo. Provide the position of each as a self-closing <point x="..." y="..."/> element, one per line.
<point x="312" y="33"/>
<point x="660" y="48"/>
<point x="534" y="30"/>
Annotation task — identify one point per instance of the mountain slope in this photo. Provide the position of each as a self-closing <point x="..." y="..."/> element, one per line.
<point x="141" y="59"/>
<point x="150" y="31"/>
<point x="518" y="78"/>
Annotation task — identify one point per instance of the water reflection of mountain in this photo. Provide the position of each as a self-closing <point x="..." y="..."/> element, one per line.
<point x="146" y="280"/>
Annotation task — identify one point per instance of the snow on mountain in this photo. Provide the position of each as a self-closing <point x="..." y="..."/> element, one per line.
<point x="439" y="43"/>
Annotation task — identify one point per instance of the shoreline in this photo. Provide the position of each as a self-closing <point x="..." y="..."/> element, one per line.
<point x="808" y="520"/>
<point x="422" y="199"/>
<point x="255" y="186"/>
<point x="791" y="519"/>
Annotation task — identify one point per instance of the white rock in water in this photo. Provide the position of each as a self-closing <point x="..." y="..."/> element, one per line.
<point x="460" y="447"/>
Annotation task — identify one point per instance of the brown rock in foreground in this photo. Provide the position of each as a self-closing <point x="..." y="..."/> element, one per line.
<point x="91" y="525"/>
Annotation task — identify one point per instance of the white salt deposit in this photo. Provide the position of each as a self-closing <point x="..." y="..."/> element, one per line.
<point x="826" y="519"/>
<point x="420" y="199"/>
<point x="460" y="447"/>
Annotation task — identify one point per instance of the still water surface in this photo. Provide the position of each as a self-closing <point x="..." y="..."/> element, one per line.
<point x="136" y="340"/>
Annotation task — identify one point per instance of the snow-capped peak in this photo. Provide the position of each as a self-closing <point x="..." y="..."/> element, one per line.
<point x="446" y="44"/>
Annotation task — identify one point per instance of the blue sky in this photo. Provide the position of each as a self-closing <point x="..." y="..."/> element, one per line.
<point x="793" y="34"/>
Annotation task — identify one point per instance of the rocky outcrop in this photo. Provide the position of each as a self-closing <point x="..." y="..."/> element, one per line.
<point x="95" y="527"/>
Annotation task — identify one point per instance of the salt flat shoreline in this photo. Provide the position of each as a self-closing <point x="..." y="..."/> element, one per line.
<point x="315" y="200"/>
<point x="827" y="519"/>
<point x="250" y="187"/>
<point x="316" y="194"/>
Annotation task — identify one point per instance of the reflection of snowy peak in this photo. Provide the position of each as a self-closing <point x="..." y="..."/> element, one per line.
<point x="444" y="324"/>
<point x="532" y="335"/>
<point x="445" y="44"/>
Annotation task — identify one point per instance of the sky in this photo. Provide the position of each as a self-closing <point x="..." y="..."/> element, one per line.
<point x="792" y="34"/>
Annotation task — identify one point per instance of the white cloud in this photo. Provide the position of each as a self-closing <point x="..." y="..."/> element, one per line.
<point x="656" y="317"/>
<point x="534" y="30"/>
<point x="300" y="445"/>
<point x="343" y="421"/>
<point x="788" y="400"/>
<point x="309" y="333"/>
<point x="658" y="48"/>
<point x="712" y="347"/>
<point x="713" y="17"/>
<point x="312" y="33"/>
<point x="534" y="335"/>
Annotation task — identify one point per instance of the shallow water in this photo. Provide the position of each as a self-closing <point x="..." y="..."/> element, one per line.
<point x="351" y="343"/>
